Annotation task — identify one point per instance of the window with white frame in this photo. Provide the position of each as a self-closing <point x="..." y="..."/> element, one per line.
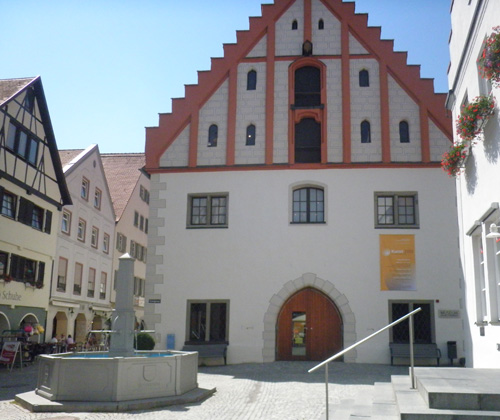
<point x="121" y="242"/>
<point x="207" y="210"/>
<point x="66" y="222"/>
<point x="208" y="321"/>
<point x="105" y="243"/>
<point x="84" y="191"/>
<point x="396" y="210"/>
<point x="8" y="203"/>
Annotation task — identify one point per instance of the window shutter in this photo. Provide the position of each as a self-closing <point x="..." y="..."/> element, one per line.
<point x="124" y="244"/>
<point x="41" y="272"/>
<point x="23" y="209"/>
<point x="1" y="198"/>
<point x="48" y="221"/>
<point x="14" y="263"/>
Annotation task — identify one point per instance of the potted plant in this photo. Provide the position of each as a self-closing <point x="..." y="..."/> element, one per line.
<point x="473" y="116"/>
<point x="489" y="61"/>
<point x="453" y="160"/>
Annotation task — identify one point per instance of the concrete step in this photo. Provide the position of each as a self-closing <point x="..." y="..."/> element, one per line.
<point x="412" y="406"/>
<point x="460" y="389"/>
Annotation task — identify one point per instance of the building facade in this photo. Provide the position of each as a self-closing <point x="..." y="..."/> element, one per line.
<point x="297" y="201"/>
<point x="80" y="299"/>
<point x="129" y="187"/>
<point x="473" y="23"/>
<point x="32" y="193"/>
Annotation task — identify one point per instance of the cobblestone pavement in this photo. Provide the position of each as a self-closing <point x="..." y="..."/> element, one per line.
<point x="271" y="391"/>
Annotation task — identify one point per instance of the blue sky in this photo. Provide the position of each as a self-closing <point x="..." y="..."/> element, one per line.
<point x="110" y="67"/>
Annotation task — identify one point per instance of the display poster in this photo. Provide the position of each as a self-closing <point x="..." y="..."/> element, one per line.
<point x="397" y="262"/>
<point x="9" y="351"/>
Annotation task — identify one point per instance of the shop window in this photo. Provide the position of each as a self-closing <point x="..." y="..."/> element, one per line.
<point x="208" y="321"/>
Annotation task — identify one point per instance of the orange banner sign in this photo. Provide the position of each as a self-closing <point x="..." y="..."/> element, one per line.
<point x="397" y="262"/>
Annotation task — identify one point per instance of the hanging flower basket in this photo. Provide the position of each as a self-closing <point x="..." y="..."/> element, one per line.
<point x="454" y="160"/>
<point x="473" y="117"/>
<point x="489" y="61"/>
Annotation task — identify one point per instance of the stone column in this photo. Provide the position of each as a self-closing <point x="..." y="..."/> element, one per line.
<point x="123" y="325"/>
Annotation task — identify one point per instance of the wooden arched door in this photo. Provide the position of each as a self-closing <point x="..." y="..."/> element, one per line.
<point x="309" y="327"/>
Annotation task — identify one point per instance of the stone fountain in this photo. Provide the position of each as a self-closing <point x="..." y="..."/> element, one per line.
<point x="120" y="379"/>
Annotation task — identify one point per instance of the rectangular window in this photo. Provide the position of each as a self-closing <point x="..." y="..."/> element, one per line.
<point x="77" y="285"/>
<point x="3" y="264"/>
<point x="23" y="269"/>
<point x="97" y="198"/>
<point x="66" y="222"/>
<point x="136" y="219"/>
<point x="144" y="193"/>
<point x="396" y="210"/>
<point x="9" y="201"/>
<point x="422" y="321"/>
<point x="30" y="214"/>
<point x="82" y="227"/>
<point x="105" y="243"/>
<point x="94" y="240"/>
<point x="62" y="272"/>
<point x="121" y="242"/>
<point x="22" y="143"/>
<point x="91" y="283"/>
<point x="84" y="192"/>
<point x="208" y="321"/>
<point x="102" y="287"/>
<point x="210" y="210"/>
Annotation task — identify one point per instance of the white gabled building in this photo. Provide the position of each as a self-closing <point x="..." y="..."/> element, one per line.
<point x="477" y="185"/>
<point x="297" y="200"/>
<point x="83" y="269"/>
<point x="129" y="187"/>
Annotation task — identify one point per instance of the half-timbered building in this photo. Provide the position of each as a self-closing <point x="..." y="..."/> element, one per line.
<point x="32" y="193"/>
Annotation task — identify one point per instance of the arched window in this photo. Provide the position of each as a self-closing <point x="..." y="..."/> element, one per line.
<point x="213" y="133"/>
<point x="308" y="205"/>
<point x="321" y="24"/>
<point x="294" y="25"/>
<point x="308" y="141"/>
<point x="250" y="139"/>
<point x="366" y="132"/>
<point x="308" y="86"/>
<point x="251" y="80"/>
<point x="364" y="78"/>
<point x="404" y="132"/>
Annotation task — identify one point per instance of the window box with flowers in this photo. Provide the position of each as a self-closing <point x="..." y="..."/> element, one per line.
<point x="489" y="61"/>
<point x="454" y="160"/>
<point x="473" y="117"/>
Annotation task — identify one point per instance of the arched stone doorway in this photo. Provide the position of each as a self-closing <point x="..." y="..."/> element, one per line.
<point x="59" y="325"/>
<point x="80" y="329"/>
<point x="309" y="327"/>
<point x="292" y="287"/>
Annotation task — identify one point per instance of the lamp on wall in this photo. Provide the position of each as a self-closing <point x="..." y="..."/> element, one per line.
<point x="494" y="234"/>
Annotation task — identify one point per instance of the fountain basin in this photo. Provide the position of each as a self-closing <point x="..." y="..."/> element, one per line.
<point x="75" y="377"/>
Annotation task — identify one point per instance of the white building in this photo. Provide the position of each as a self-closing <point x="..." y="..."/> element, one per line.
<point x="477" y="185"/>
<point x="297" y="200"/>
<point x="82" y="275"/>
<point x="129" y="188"/>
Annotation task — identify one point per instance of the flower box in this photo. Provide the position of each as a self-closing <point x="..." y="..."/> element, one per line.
<point x="454" y="160"/>
<point x="473" y="116"/>
<point x="489" y="61"/>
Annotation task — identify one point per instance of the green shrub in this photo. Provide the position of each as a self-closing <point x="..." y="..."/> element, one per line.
<point x="144" y="342"/>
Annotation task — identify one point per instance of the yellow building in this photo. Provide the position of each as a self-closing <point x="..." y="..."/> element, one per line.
<point x="32" y="192"/>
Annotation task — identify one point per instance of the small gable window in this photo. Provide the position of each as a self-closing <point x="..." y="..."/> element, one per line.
<point x="366" y="132"/>
<point x="252" y="80"/>
<point x="294" y="25"/>
<point x="321" y="25"/>
<point x="404" y="132"/>
<point x="213" y="133"/>
<point x="250" y="139"/>
<point x="364" y="78"/>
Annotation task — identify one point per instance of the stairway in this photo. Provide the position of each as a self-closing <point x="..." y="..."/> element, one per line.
<point x="441" y="394"/>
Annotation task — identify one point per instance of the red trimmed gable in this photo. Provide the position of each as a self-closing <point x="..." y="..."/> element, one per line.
<point x="185" y="111"/>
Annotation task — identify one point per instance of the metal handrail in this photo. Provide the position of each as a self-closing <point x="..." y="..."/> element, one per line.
<point x="392" y="324"/>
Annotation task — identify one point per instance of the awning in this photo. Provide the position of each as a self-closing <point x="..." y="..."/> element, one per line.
<point x="64" y="304"/>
